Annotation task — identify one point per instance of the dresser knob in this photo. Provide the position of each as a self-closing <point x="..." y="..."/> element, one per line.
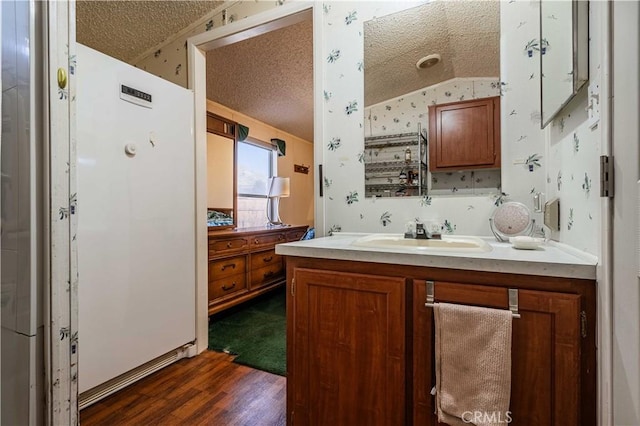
<point x="229" y="244"/>
<point x="267" y="259"/>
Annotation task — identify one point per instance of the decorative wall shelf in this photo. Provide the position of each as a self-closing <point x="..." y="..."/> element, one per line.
<point x="395" y="165"/>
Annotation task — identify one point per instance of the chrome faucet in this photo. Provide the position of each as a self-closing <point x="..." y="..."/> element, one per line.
<point x="423" y="234"/>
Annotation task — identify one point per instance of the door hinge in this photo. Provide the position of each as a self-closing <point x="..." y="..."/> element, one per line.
<point x="606" y="176"/>
<point x="583" y="324"/>
<point x="293" y="287"/>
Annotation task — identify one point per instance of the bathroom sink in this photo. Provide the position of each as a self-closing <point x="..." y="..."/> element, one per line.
<point x="447" y="243"/>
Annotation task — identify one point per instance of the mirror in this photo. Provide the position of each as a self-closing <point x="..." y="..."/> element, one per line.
<point x="563" y="47"/>
<point x="221" y="181"/>
<point x="432" y="54"/>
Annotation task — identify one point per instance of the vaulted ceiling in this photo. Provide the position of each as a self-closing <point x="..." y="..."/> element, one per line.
<point x="466" y="35"/>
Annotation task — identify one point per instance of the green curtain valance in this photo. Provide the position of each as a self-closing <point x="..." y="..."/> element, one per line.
<point x="243" y="132"/>
<point x="281" y="146"/>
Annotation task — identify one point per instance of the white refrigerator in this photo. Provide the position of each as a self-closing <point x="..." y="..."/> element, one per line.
<point x="136" y="220"/>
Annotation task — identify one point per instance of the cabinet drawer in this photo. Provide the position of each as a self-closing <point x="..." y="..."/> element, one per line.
<point x="265" y="258"/>
<point x="230" y="245"/>
<point x="268" y="239"/>
<point x="225" y="267"/>
<point x="266" y="275"/>
<point x="228" y="285"/>
<point x="295" y="235"/>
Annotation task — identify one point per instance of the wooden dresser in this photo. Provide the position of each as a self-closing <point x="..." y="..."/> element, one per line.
<point x="243" y="263"/>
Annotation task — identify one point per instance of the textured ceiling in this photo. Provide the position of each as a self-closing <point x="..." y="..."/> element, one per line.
<point x="269" y="77"/>
<point x="466" y="34"/>
<point x="125" y="29"/>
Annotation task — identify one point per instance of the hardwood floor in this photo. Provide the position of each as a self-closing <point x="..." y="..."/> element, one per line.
<point x="208" y="389"/>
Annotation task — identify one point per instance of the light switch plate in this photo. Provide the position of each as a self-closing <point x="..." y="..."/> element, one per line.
<point x="552" y="214"/>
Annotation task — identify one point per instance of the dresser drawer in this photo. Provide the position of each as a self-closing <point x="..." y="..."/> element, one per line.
<point x="268" y="239"/>
<point x="230" y="245"/>
<point x="295" y="235"/>
<point x="265" y="258"/>
<point x="266" y="275"/>
<point x="225" y="267"/>
<point x="228" y="285"/>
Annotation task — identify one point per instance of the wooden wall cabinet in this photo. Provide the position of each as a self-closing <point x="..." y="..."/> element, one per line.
<point x="360" y="343"/>
<point x="465" y="135"/>
<point x="243" y="264"/>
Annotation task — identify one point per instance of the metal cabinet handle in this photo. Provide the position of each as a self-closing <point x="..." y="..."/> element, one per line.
<point x="267" y="259"/>
<point x="228" y="265"/>
<point x="224" y="287"/>
<point x="229" y="244"/>
<point x="256" y="241"/>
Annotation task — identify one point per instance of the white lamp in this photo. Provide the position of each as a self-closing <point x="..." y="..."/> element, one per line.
<point x="279" y="188"/>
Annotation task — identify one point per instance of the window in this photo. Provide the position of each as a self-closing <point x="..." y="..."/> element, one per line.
<point x="255" y="166"/>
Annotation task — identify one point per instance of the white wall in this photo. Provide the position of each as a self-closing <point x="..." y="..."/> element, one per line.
<point x="626" y="293"/>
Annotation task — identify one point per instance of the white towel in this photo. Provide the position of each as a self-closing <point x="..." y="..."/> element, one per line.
<point x="473" y="364"/>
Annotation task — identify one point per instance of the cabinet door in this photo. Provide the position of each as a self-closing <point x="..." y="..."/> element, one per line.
<point x="346" y="356"/>
<point x="465" y="135"/>
<point x="545" y="371"/>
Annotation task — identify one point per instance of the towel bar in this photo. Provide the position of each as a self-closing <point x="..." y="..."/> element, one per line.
<point x="513" y="299"/>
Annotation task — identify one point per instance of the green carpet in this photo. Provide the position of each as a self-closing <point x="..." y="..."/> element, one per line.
<point x="255" y="332"/>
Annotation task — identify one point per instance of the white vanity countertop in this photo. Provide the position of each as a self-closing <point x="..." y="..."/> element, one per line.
<point x="551" y="259"/>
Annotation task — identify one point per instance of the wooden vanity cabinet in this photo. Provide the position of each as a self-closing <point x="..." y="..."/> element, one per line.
<point x="349" y="338"/>
<point x="464" y="135"/>
<point x="243" y="263"/>
<point x="360" y="342"/>
<point x="545" y="354"/>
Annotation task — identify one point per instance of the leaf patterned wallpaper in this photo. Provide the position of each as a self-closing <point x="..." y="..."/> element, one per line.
<point x="561" y="161"/>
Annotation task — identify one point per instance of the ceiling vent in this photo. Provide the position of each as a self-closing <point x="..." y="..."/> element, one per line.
<point x="428" y="61"/>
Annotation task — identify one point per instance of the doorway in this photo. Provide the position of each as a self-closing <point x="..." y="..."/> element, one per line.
<point x="279" y="18"/>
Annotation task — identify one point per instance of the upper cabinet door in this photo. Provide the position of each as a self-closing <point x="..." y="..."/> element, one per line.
<point x="465" y="135"/>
